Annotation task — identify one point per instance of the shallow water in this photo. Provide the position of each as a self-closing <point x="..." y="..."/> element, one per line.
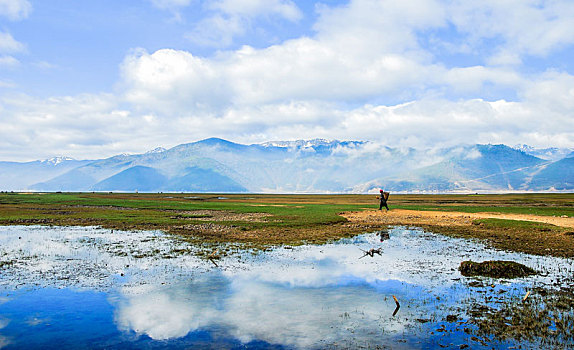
<point x="78" y="287"/>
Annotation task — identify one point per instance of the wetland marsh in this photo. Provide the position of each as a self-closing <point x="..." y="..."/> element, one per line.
<point x="280" y="272"/>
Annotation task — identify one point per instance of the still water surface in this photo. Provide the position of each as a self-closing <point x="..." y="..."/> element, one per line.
<point x="78" y="287"/>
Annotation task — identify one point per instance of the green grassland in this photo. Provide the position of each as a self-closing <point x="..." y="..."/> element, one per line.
<point x="282" y="219"/>
<point x="287" y="219"/>
<point x="535" y="204"/>
<point x="149" y="209"/>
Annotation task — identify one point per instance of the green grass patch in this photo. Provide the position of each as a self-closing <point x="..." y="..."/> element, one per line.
<point x="166" y="209"/>
<point x="516" y="224"/>
<point x="503" y="209"/>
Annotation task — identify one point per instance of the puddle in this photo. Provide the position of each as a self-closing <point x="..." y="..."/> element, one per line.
<point x="89" y="287"/>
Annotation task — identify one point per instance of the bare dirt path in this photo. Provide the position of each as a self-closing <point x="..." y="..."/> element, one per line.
<point x="446" y="218"/>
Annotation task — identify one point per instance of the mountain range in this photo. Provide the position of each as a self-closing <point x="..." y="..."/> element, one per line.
<point x="303" y="166"/>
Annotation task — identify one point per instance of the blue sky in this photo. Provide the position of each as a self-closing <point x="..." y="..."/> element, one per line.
<point x="92" y="79"/>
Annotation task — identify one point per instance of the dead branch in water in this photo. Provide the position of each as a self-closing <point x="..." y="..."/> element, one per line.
<point x="398" y="306"/>
<point x="212" y="256"/>
<point x="371" y="252"/>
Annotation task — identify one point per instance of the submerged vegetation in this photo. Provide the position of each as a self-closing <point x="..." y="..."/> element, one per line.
<point x="544" y="318"/>
<point x="495" y="269"/>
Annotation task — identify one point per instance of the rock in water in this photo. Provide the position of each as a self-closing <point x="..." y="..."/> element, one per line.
<point x="384" y="234"/>
<point x="495" y="269"/>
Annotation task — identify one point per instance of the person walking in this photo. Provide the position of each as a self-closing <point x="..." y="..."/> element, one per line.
<point x="383" y="198"/>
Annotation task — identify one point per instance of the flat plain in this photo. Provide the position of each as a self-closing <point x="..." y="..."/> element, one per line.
<point x="541" y="224"/>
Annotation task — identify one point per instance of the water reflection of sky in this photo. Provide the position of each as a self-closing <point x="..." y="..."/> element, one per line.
<point x="129" y="289"/>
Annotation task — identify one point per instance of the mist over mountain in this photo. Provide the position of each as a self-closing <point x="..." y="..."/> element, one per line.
<point x="303" y="166"/>
<point x="20" y="176"/>
<point x="551" y="153"/>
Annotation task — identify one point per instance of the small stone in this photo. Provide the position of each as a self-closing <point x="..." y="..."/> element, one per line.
<point x="451" y="318"/>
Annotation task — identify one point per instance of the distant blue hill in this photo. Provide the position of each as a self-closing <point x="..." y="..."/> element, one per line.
<point x="475" y="168"/>
<point x="73" y="180"/>
<point x="304" y="166"/>
<point x="137" y="178"/>
<point x="558" y="175"/>
<point x="499" y="166"/>
<point x="20" y="176"/>
<point x="203" y="180"/>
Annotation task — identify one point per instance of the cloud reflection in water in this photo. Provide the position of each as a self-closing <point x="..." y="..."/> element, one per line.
<point x="309" y="296"/>
<point x="254" y="310"/>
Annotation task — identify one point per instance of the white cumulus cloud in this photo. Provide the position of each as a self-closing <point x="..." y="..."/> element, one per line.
<point x="229" y="19"/>
<point x="8" y="61"/>
<point x="10" y="45"/>
<point x="173" y="81"/>
<point x="365" y="73"/>
<point x="521" y="27"/>
<point x="15" y="9"/>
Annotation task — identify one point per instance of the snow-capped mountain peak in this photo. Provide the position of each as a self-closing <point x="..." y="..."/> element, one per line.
<point x="318" y="166"/>
<point x="551" y="153"/>
<point x="299" y="143"/>
<point x="156" y="150"/>
<point x="56" y="160"/>
<point x="524" y="148"/>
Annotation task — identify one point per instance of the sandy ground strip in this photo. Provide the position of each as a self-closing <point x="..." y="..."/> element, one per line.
<point x="446" y="218"/>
